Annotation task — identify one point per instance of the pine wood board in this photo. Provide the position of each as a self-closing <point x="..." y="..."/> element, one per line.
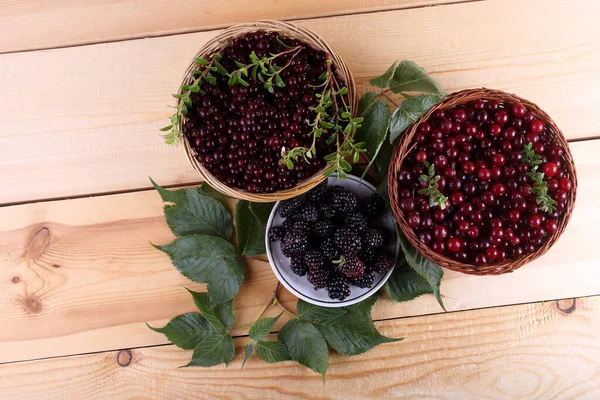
<point x="39" y="24"/>
<point x="83" y="120"/>
<point x="80" y="276"/>
<point x="540" y="350"/>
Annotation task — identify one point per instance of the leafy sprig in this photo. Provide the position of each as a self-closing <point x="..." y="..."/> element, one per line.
<point x="436" y="198"/>
<point x="540" y="186"/>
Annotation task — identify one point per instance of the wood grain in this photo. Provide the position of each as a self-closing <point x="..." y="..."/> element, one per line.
<point x="80" y="276"/>
<point x="39" y="24"/>
<point x="525" y="351"/>
<point x="84" y="120"/>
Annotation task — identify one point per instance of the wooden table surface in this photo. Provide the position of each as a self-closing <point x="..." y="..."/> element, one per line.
<point x="83" y="89"/>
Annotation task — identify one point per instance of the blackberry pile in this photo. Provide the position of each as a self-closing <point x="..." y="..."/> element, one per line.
<point x="330" y="239"/>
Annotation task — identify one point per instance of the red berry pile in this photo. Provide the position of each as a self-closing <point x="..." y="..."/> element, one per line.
<point x="239" y="131"/>
<point x="486" y="207"/>
<point x="331" y="237"/>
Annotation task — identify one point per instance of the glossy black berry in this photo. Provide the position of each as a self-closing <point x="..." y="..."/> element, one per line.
<point x="318" y="277"/>
<point x="343" y="200"/>
<point x="372" y="238"/>
<point x="298" y="266"/>
<point x="355" y="222"/>
<point x="347" y="241"/>
<point x="313" y="259"/>
<point x="317" y="193"/>
<point x="373" y="206"/>
<point x="309" y="212"/>
<point x="350" y="266"/>
<point x="381" y="263"/>
<point x="366" y="280"/>
<point x="337" y="287"/>
<point x="276" y="233"/>
<point x="289" y="208"/>
<point x="323" y="228"/>
<point x="329" y="249"/>
<point x="295" y="243"/>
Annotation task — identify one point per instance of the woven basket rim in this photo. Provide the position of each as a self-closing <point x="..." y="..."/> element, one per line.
<point x="405" y="145"/>
<point x="290" y="30"/>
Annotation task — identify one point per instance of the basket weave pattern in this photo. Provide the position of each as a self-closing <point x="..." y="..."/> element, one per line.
<point x="286" y="30"/>
<point x="404" y="146"/>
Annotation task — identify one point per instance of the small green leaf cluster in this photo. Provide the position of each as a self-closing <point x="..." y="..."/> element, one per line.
<point x="436" y="198"/>
<point x="540" y="186"/>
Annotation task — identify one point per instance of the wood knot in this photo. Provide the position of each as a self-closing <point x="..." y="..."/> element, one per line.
<point x="38" y="243"/>
<point x="16" y="279"/>
<point x="124" y="357"/>
<point x="33" y="304"/>
<point x="56" y="265"/>
<point x="567" y="306"/>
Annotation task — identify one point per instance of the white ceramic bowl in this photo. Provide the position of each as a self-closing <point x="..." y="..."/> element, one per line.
<point x="299" y="286"/>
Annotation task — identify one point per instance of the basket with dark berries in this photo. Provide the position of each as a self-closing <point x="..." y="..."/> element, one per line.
<point x="265" y="110"/>
<point x="332" y="246"/>
<point x="483" y="183"/>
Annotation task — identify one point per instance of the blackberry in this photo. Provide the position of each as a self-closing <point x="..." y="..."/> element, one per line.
<point x="313" y="259"/>
<point x="337" y="287"/>
<point x="289" y="208"/>
<point x="276" y="233"/>
<point x="343" y="200"/>
<point x="381" y="262"/>
<point x="317" y="193"/>
<point x="372" y="238"/>
<point x="351" y="267"/>
<point x="302" y="227"/>
<point x="318" y="277"/>
<point x="309" y="212"/>
<point x="323" y="228"/>
<point x="367" y="255"/>
<point x="327" y="210"/>
<point x="298" y="266"/>
<point x="373" y="206"/>
<point x="347" y="241"/>
<point x="288" y="224"/>
<point x="365" y="281"/>
<point x="329" y="249"/>
<point x="356" y="222"/>
<point x="294" y="243"/>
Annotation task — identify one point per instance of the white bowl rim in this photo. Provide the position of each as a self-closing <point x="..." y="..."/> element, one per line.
<point x="332" y="303"/>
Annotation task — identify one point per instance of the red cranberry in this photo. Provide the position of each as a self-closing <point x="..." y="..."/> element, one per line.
<point x="565" y="184"/>
<point x="420" y="157"/>
<point x="550" y="169"/>
<point x="535" y="220"/>
<point x="453" y="244"/>
<point x="550" y="225"/>
<point x="501" y="117"/>
<point x="438" y="246"/>
<point x="518" y="110"/>
<point x="413" y="220"/>
<point x="536" y="126"/>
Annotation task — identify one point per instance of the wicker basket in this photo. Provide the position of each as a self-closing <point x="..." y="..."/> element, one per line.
<point x="406" y="144"/>
<point x="292" y="31"/>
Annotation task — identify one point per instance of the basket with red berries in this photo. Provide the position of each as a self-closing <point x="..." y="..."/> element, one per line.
<point x="482" y="183"/>
<point x="266" y="111"/>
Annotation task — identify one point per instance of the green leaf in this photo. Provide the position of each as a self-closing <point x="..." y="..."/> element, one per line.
<point x="279" y="81"/>
<point x="305" y="345"/>
<point x="195" y="213"/>
<point x="382" y="162"/>
<point x="262" y="211"/>
<point x="365" y="102"/>
<point x="409" y="77"/>
<point x="214" y="349"/>
<point x="374" y="130"/>
<point x="208" y="190"/>
<point x="248" y="350"/>
<point x="211" y="260"/>
<point x="383" y="80"/>
<point x="409" y="111"/>
<point x="166" y="128"/>
<point x="220" y="69"/>
<point x="262" y="327"/>
<point x="405" y="284"/>
<point x="250" y="232"/>
<point x="186" y="330"/>
<point x="348" y="330"/>
<point x="220" y="316"/>
<point x="201" y="61"/>
<point x="431" y="272"/>
<point x="272" y="351"/>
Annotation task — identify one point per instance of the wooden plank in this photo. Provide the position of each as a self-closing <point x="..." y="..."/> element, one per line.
<point x="38" y="24"/>
<point x="80" y="276"/>
<point x="84" y="120"/>
<point x="525" y="351"/>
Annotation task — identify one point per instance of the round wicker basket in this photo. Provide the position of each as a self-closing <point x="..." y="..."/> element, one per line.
<point x="406" y="144"/>
<point x="286" y="30"/>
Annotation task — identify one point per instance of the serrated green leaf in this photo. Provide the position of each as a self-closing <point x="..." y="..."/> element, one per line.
<point x="305" y="345"/>
<point x="374" y="129"/>
<point x="210" y="191"/>
<point x="220" y="316"/>
<point x="272" y="351"/>
<point x="250" y="232"/>
<point x="195" y="213"/>
<point x="405" y="284"/>
<point x="186" y="330"/>
<point x="431" y="272"/>
<point x="214" y="349"/>
<point x="248" y="350"/>
<point x="262" y="211"/>
<point x="383" y="80"/>
<point x="262" y="327"/>
<point x="409" y="111"/>
<point x="409" y="77"/>
<point x="211" y="260"/>
<point x="348" y="330"/>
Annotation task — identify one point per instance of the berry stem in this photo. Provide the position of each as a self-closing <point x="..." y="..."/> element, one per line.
<point x="436" y="198"/>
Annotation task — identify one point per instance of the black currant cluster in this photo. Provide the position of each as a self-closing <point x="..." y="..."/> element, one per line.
<point x="238" y="132"/>
<point x="329" y="238"/>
